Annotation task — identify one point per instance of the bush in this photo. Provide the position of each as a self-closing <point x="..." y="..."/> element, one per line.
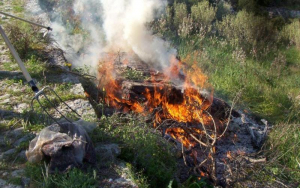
<point x="248" y="5"/>
<point x="223" y="9"/>
<point x="25" y="38"/>
<point x="180" y="12"/>
<point x="203" y="14"/>
<point x="186" y="27"/>
<point x="245" y="29"/>
<point x="291" y="32"/>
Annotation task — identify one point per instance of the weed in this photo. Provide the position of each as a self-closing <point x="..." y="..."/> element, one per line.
<point x="132" y="74"/>
<point x="291" y="33"/>
<point x="26" y="39"/>
<point x="203" y="14"/>
<point x="147" y="150"/>
<point x="180" y="12"/>
<point x="15" y="181"/>
<point x="73" y="178"/>
<point x="18" y="6"/>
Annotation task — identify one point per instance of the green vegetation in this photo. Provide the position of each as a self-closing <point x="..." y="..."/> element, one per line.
<point x="141" y="146"/>
<point x="250" y="52"/>
<point x="239" y="51"/>
<point x="132" y="74"/>
<point x="18" y="6"/>
<point x="73" y="178"/>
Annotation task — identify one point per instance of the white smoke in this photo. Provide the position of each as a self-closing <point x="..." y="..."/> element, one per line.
<point x="114" y="26"/>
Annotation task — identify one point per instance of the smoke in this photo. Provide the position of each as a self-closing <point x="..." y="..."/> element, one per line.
<point x="112" y="26"/>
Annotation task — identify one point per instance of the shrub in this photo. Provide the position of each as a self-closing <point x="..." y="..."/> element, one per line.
<point x="186" y="27"/>
<point x="203" y="14"/>
<point x="223" y="9"/>
<point x="248" y="5"/>
<point x="245" y="29"/>
<point x="291" y="32"/>
<point x="25" y="38"/>
<point x="180" y="12"/>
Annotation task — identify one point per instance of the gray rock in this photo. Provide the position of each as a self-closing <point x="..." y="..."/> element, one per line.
<point x="12" y="186"/>
<point x="4" y="155"/>
<point x="17" y="173"/>
<point x="5" y="96"/>
<point x="22" y="155"/>
<point x="26" y="181"/>
<point x="77" y="89"/>
<point x="5" y="174"/>
<point x="107" y="152"/>
<point x="16" y="132"/>
<point x="2" y="182"/>
<point x="69" y="78"/>
<point x="23" y="139"/>
<point x="21" y="107"/>
<point x="5" y="101"/>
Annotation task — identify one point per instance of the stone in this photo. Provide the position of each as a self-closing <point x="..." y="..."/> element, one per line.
<point x="26" y="181"/>
<point x="107" y="152"/>
<point x="5" y="101"/>
<point x="23" y="139"/>
<point x="5" y="174"/>
<point x="21" y="107"/>
<point x="16" y="132"/>
<point x="17" y="173"/>
<point x="4" y="155"/>
<point x="77" y="89"/>
<point x="2" y="182"/>
<point x="12" y="186"/>
<point x="22" y="155"/>
<point x="6" y="96"/>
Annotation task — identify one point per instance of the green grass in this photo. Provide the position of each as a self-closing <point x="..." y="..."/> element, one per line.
<point x="146" y="150"/>
<point x="18" y="6"/>
<point x="267" y="91"/>
<point x="73" y="178"/>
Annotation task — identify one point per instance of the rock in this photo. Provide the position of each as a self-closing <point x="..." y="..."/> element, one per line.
<point x="4" y="174"/>
<point x="6" y="154"/>
<point x="5" y="101"/>
<point x="21" y="107"/>
<point x="2" y="182"/>
<point x="6" y="96"/>
<point x="107" y="152"/>
<point x="23" y="139"/>
<point x="69" y="78"/>
<point x="123" y="181"/>
<point x="17" y="173"/>
<point x="16" y="132"/>
<point x="22" y="155"/>
<point x="26" y="181"/>
<point x="12" y="186"/>
<point x="77" y="89"/>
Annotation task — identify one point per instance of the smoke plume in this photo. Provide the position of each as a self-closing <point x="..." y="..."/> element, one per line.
<point x="112" y="26"/>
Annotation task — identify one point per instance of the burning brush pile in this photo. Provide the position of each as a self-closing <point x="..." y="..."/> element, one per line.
<point x="179" y="103"/>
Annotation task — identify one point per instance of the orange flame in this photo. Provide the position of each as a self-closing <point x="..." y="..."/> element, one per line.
<point x="189" y="108"/>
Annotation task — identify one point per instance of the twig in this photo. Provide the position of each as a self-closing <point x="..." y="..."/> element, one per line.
<point x="281" y="183"/>
<point x="229" y="116"/>
<point x="183" y="155"/>
<point x="262" y="160"/>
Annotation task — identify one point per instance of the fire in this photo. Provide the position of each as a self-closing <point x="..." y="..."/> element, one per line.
<point x="190" y="107"/>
